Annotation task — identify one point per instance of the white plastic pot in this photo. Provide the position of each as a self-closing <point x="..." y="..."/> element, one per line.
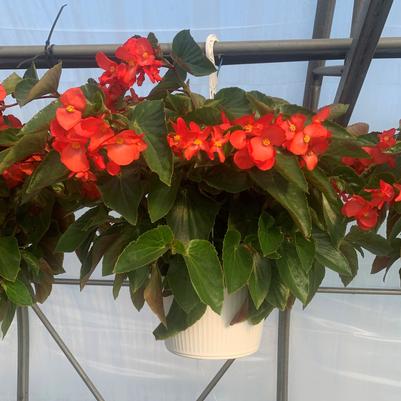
<point x="212" y="337"/>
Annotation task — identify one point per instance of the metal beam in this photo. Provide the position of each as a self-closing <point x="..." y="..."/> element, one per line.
<point x="69" y="355"/>
<point x="321" y="29"/>
<point x="23" y="354"/>
<point x="283" y="354"/>
<point x="215" y="380"/>
<point x="244" y="52"/>
<point x="369" y="26"/>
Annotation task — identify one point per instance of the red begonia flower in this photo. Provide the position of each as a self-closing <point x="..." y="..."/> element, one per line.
<point x="216" y="143"/>
<point x="74" y="103"/>
<point x="359" y="208"/>
<point x="3" y="93"/>
<point x="113" y="168"/>
<point x="385" y="194"/>
<point x="387" y="139"/>
<point x="291" y="125"/>
<point x="398" y="188"/>
<point x="322" y="115"/>
<point x="125" y="147"/>
<point x="99" y="132"/>
<point x="243" y="160"/>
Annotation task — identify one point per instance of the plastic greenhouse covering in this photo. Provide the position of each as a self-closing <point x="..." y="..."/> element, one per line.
<point x="342" y="347"/>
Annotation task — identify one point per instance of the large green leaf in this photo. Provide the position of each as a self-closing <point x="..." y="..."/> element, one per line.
<point x="233" y="101"/>
<point x="260" y="279"/>
<point x="123" y="193"/>
<point x="288" y="195"/>
<point x="292" y="272"/>
<point x="26" y="146"/>
<point x="178" y="320"/>
<point x="153" y="294"/>
<point x="47" y="84"/>
<point x="146" y="249"/>
<point x="81" y="229"/>
<point x="205" y="272"/>
<point x="316" y="276"/>
<point x="148" y="118"/>
<point x="269" y="235"/>
<point x="10" y="258"/>
<point x="192" y="216"/>
<point x="189" y="56"/>
<point x="328" y="255"/>
<point x="288" y="167"/>
<point x="320" y="181"/>
<point x="8" y="318"/>
<point x="306" y="251"/>
<point x="369" y="240"/>
<point x="180" y="284"/>
<point x="41" y="120"/>
<point x="11" y="82"/>
<point x="49" y="172"/>
<point x="17" y="292"/>
<point x="350" y="254"/>
<point x="335" y="222"/>
<point x="172" y="80"/>
<point x="161" y="197"/>
<point x="227" y="179"/>
<point x="278" y="292"/>
<point x="237" y="261"/>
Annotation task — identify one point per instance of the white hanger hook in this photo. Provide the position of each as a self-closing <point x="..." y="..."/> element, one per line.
<point x="209" y="50"/>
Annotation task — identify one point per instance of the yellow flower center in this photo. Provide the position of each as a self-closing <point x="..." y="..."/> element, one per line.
<point x="177" y="138"/>
<point x="112" y="68"/>
<point x="197" y="142"/>
<point x="70" y="108"/>
<point x="292" y="127"/>
<point x="248" y="127"/>
<point x="307" y="138"/>
<point x="75" y="145"/>
<point x="218" y="144"/>
<point x="266" y="142"/>
<point x="145" y="55"/>
<point x="119" y="141"/>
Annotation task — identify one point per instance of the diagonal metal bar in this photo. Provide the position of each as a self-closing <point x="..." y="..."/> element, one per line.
<point x="369" y="26"/>
<point x="283" y="354"/>
<point x="23" y="354"/>
<point x="69" y="355"/>
<point x="215" y="380"/>
<point x="321" y="29"/>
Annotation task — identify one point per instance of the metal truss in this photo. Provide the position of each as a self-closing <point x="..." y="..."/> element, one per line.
<point x="368" y="20"/>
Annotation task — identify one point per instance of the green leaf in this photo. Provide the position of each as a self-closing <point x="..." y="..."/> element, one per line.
<point x="41" y="120"/>
<point x="81" y="229"/>
<point x="9" y="136"/>
<point x="189" y="56"/>
<point x="255" y="316"/>
<point x="10" y="258"/>
<point x="350" y="254"/>
<point x="205" y="272"/>
<point x="178" y="320"/>
<point x="278" y="292"/>
<point x="47" y="84"/>
<point x="8" y="318"/>
<point x="337" y="110"/>
<point x="26" y="146"/>
<point x="146" y="249"/>
<point x="161" y="197"/>
<point x="269" y="235"/>
<point x="288" y="195"/>
<point x="335" y="222"/>
<point x="288" y="167"/>
<point x="306" y="251"/>
<point x="292" y="272"/>
<point x="49" y="172"/>
<point x="237" y="261"/>
<point x="148" y="118"/>
<point x="320" y="181"/>
<point x="22" y="90"/>
<point x="172" y="80"/>
<point x="180" y="284"/>
<point x="11" y="82"/>
<point x="118" y="283"/>
<point x="123" y="193"/>
<point x="316" y="276"/>
<point x="260" y="279"/>
<point x="369" y="240"/>
<point x="205" y="115"/>
<point x="17" y="292"/>
<point x="137" y="278"/>
<point x="328" y="255"/>
<point x="192" y="216"/>
<point x="233" y="101"/>
<point x="31" y="72"/>
<point x="153" y="294"/>
<point x="179" y="103"/>
<point x="227" y="179"/>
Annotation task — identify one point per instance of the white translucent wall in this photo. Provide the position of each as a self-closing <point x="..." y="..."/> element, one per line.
<point x="343" y="347"/>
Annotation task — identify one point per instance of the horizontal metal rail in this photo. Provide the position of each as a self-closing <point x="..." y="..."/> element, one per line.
<point x="323" y="290"/>
<point x="229" y="53"/>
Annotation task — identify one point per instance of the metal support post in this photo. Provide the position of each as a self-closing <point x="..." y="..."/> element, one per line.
<point x="283" y="354"/>
<point x="215" y="380"/>
<point x="67" y="353"/>
<point x="23" y="354"/>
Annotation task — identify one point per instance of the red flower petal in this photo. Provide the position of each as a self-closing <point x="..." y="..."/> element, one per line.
<point x="74" y="97"/>
<point x="238" y="139"/>
<point x="73" y="156"/>
<point x="298" y="146"/>
<point x="3" y="93"/>
<point x="113" y="168"/>
<point x="259" y="151"/>
<point x="243" y="160"/>
<point x="67" y="119"/>
<point x="310" y="160"/>
<point x="104" y="62"/>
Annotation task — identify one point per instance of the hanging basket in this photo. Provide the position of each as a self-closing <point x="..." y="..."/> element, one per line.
<point x="212" y="336"/>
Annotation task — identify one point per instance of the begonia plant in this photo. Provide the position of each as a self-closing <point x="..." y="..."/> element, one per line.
<point x="184" y="196"/>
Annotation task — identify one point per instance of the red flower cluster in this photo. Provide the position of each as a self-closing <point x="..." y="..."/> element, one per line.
<point x="366" y="212"/>
<point x="188" y="140"/>
<point x="82" y="141"/>
<point x="376" y="153"/>
<point x="16" y="174"/>
<point x="138" y="59"/>
<point x="254" y="140"/>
